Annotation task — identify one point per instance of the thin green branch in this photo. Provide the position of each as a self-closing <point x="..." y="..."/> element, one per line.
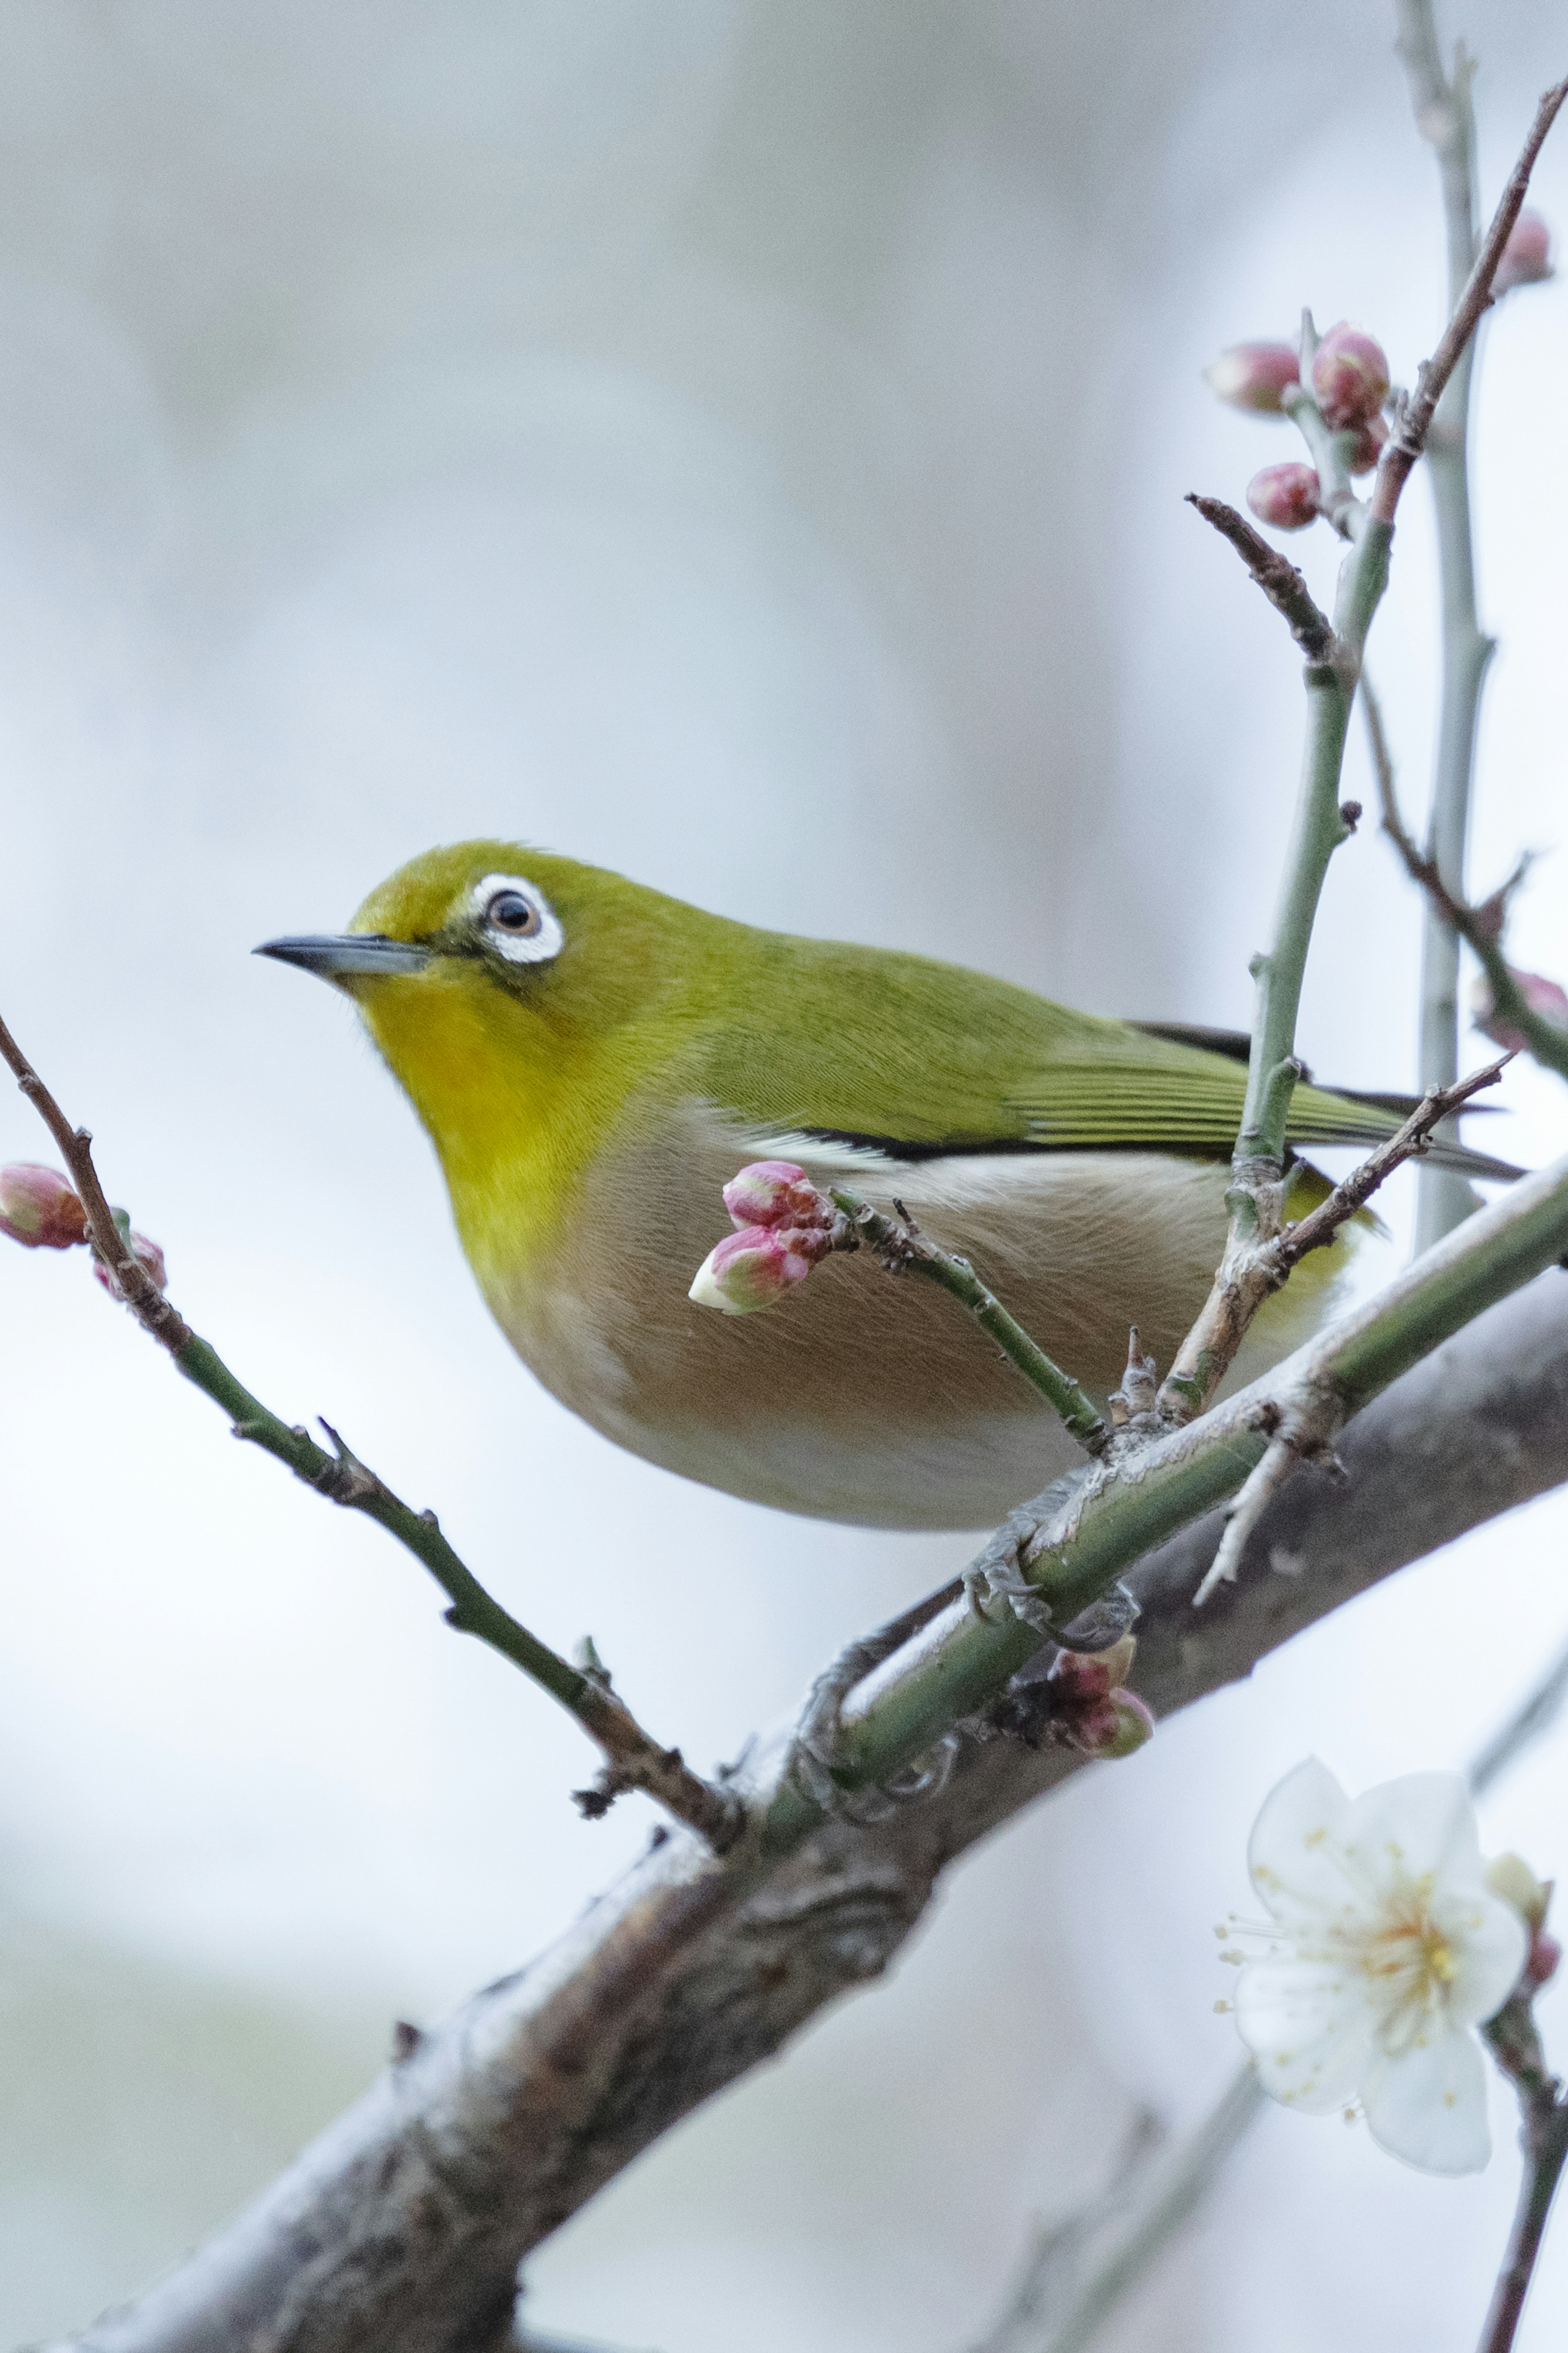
<point x="1256" y="1199"/>
<point x="635" y="1761"/>
<point x="904" y="1249"/>
<point x="962" y="1661"/>
<point x="1446" y="119"/>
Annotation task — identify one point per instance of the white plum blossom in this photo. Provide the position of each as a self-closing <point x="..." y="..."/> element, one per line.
<point x="1386" y="1951"/>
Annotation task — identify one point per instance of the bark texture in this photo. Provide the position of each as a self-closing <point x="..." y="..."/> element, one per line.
<point x="400" y="2229"/>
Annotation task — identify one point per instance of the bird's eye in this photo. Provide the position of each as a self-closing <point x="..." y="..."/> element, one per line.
<point x="516" y="919"/>
<point x="508" y="910"/>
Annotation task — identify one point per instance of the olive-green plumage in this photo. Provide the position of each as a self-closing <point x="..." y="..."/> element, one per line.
<point x="593" y="1060"/>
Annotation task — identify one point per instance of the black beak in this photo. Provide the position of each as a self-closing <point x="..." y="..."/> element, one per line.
<point x="354" y="951"/>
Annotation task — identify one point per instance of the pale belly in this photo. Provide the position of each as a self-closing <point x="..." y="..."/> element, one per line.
<point x="864" y="1398"/>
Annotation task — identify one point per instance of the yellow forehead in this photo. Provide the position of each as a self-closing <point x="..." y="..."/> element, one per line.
<point x="433" y="891"/>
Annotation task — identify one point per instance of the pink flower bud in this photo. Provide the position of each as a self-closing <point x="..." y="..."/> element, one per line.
<point x="1527" y="255"/>
<point x="39" y="1209"/>
<point x="754" y="1268"/>
<point x="775" y="1192"/>
<point x="1285" y="496"/>
<point x="145" y="1253"/>
<point x="1369" y="444"/>
<point x="1542" y="996"/>
<point x="1253" y="375"/>
<point x="1093" y="1712"/>
<point x="1350" y="377"/>
<point x="1545" y="1953"/>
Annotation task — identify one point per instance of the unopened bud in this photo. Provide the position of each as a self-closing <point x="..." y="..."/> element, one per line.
<point x="1368" y="445"/>
<point x="775" y="1192"/>
<point x="1253" y="375"/>
<point x="755" y="1267"/>
<point x="1527" y="255"/>
<point x="1285" y="496"/>
<point x="1350" y="377"/>
<point x="1545" y="1953"/>
<point x="146" y="1254"/>
<point x="1543" y="997"/>
<point x="39" y="1209"/>
<point x="1093" y="1712"/>
<point x="1511" y="1878"/>
<point x="1112" y="1727"/>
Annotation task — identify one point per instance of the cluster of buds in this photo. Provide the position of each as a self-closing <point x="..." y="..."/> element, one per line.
<point x="1092" y="1708"/>
<point x="784" y="1226"/>
<point x="41" y="1209"/>
<point x="1543" y="997"/>
<point x="1349" y="385"/>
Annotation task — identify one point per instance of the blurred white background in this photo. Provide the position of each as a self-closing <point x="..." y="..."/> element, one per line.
<point x="744" y="446"/>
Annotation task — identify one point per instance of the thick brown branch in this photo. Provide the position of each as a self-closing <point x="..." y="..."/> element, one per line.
<point x="1277" y="577"/>
<point x="1408" y="438"/>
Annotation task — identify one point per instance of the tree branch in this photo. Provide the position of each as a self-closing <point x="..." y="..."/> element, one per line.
<point x="1277" y="577"/>
<point x="635" y="1760"/>
<point x="1256" y="1197"/>
<point x="1445" y="117"/>
<point x="1480" y="928"/>
<point x="904" y="1249"/>
<point x="1514" y="2041"/>
<point x="401" y="2230"/>
<point x="1409" y="438"/>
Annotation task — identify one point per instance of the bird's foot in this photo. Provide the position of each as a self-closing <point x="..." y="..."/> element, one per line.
<point x="815" y="1748"/>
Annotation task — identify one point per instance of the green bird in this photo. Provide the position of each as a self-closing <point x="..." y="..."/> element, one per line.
<point x="593" y="1062"/>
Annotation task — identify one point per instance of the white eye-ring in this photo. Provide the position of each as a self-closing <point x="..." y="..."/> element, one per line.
<point x="517" y="919"/>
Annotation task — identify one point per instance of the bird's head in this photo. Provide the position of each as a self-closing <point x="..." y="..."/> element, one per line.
<point x="509" y="990"/>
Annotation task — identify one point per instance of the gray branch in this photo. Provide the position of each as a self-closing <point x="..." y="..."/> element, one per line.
<point x="402" y="2227"/>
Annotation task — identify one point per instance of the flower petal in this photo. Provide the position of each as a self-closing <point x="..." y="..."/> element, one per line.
<point x="1293" y="1852"/>
<point x="1421" y="1825"/>
<point x="1308" y="2025"/>
<point x="1488" y="1945"/>
<point x="1429" y="2104"/>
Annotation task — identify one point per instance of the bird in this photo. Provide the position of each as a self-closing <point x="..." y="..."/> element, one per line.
<point x="593" y="1060"/>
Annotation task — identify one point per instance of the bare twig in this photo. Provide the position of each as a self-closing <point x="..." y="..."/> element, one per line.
<point x="140" y="1293"/>
<point x="1409" y="438"/>
<point x="904" y="1249"/>
<point x="1445" y="117"/>
<point x="1079" y="2271"/>
<point x="1263" y="1481"/>
<point x="1353" y="1192"/>
<point x="1480" y="928"/>
<point x="1515" y="2044"/>
<point x="635" y="1760"/>
<point x="1275" y="575"/>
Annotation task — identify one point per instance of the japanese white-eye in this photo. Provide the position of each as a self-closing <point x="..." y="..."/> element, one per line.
<point x="594" y="1061"/>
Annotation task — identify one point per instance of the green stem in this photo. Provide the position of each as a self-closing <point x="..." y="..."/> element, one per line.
<point x="964" y="1659"/>
<point x="905" y="1251"/>
<point x="1444" y="115"/>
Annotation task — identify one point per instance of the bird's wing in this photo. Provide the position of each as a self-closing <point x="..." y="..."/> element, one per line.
<point x="922" y="1059"/>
